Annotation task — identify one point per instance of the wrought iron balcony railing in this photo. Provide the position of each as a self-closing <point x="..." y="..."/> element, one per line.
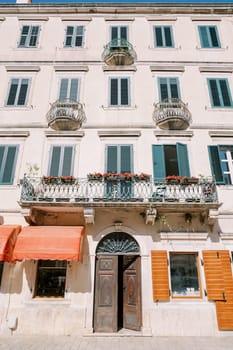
<point x="172" y="113"/>
<point x="35" y="189"/>
<point x="66" y="115"/>
<point x="119" y="52"/>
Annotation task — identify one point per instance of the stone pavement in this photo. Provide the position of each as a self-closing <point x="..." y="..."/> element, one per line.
<point x="22" y="342"/>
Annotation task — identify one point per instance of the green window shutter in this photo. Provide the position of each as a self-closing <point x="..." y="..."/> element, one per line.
<point x="126" y="159"/>
<point x="168" y="37"/>
<point x="225" y="92"/>
<point x="111" y="159"/>
<point x="183" y="162"/>
<point x="55" y="161"/>
<point x="158" y="162"/>
<point x="74" y="89"/>
<point x="203" y="33"/>
<point x="124" y="92"/>
<point x="114" y="33"/>
<point x="114" y="92"/>
<point x="214" y="93"/>
<point x="123" y="33"/>
<point x="67" y="161"/>
<point x="214" y="36"/>
<point x="158" y="37"/>
<point x="12" y="92"/>
<point x="215" y="164"/>
<point x="8" y="155"/>
<point x="23" y="92"/>
<point x="63" y="90"/>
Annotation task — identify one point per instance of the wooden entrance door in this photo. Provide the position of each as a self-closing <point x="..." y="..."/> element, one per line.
<point x="106" y="293"/>
<point x="132" y="292"/>
<point x="117" y="293"/>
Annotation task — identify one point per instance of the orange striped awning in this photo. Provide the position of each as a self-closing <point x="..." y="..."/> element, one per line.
<point x="49" y="243"/>
<point x="8" y="235"/>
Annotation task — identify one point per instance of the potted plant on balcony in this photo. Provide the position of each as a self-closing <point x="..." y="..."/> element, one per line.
<point x="67" y="180"/>
<point x="95" y="176"/>
<point x="173" y="179"/>
<point x="142" y="177"/>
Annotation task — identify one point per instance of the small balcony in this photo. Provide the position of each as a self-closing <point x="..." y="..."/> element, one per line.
<point x="119" y="52"/>
<point x="118" y="191"/>
<point x="66" y="115"/>
<point x="172" y="114"/>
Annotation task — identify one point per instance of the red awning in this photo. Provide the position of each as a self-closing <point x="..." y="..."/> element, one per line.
<point x="49" y="243"/>
<point x="8" y="235"/>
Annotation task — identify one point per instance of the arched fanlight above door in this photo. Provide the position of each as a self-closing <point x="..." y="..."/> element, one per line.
<point x="118" y="243"/>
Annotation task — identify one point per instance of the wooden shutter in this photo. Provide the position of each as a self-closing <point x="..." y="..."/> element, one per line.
<point x="214" y="274"/>
<point x="160" y="282"/>
<point x="8" y="156"/>
<point x="183" y="162"/>
<point x="111" y="165"/>
<point x="227" y="274"/>
<point x="158" y="162"/>
<point x="215" y="163"/>
<point x="224" y="310"/>
<point x="126" y="158"/>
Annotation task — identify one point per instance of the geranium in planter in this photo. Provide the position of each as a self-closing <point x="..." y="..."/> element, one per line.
<point x="173" y="179"/>
<point x="95" y="176"/>
<point x="67" y="180"/>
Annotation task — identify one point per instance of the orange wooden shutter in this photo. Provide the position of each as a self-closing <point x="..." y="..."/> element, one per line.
<point x="224" y="311"/>
<point x="213" y="275"/>
<point x="160" y="281"/>
<point x="227" y="274"/>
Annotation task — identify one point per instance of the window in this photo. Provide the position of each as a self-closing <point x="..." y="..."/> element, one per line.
<point x="69" y="89"/>
<point x="170" y="160"/>
<point x="168" y="88"/>
<point x="119" y="32"/>
<point x="209" y="36"/>
<point x="184" y="275"/>
<point x="18" y="91"/>
<point x="74" y="36"/>
<point x="51" y="278"/>
<point x="8" y="156"/>
<point x="220" y="95"/>
<point x="221" y="161"/>
<point x="119" y="91"/>
<point x="163" y="36"/>
<point x="61" y="160"/>
<point x="29" y="36"/>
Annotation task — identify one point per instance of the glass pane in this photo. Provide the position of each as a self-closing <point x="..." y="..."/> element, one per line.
<point x="9" y="165"/>
<point x="168" y="38"/>
<point x="23" y="93"/>
<point x="55" y="161"/>
<point x="67" y="160"/>
<point x="184" y="275"/>
<point x="124" y="92"/>
<point x="171" y="160"/>
<point x="114" y="92"/>
<point x="158" y="37"/>
<point x="12" y="92"/>
<point x="51" y="278"/>
<point x="225" y="93"/>
<point x="112" y="159"/>
<point x="214" y="38"/>
<point x="214" y="92"/>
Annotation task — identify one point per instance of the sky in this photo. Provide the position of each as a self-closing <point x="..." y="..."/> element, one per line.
<point x="127" y="1"/>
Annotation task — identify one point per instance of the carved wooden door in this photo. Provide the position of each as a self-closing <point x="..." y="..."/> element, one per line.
<point x="132" y="292"/>
<point x="106" y="293"/>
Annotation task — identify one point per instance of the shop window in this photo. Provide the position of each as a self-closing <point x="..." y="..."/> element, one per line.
<point x="51" y="278"/>
<point x="184" y="274"/>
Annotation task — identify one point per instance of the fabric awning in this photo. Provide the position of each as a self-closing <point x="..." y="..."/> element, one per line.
<point x="49" y="243"/>
<point x="8" y="235"/>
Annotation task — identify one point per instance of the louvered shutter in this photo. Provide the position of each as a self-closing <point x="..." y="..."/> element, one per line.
<point x="67" y="161"/>
<point x="225" y="93"/>
<point x="23" y="92"/>
<point x="126" y="161"/>
<point x="167" y="36"/>
<point x="55" y="161"/>
<point x="160" y="281"/>
<point x="224" y="310"/>
<point x="124" y="92"/>
<point x="111" y="159"/>
<point x="158" y="162"/>
<point x="183" y="162"/>
<point x="214" y="275"/>
<point x="215" y="163"/>
<point x="114" y="92"/>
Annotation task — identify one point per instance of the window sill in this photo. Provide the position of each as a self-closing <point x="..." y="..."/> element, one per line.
<point x="118" y="108"/>
<point x="164" y="48"/>
<point x="13" y="108"/>
<point x="219" y="109"/>
<point x="212" y="48"/>
<point x="48" y="301"/>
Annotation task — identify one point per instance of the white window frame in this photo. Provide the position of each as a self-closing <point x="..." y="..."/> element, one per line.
<point x="119" y="78"/>
<point x="29" y="35"/>
<point x="74" y="35"/>
<point x="20" y="79"/>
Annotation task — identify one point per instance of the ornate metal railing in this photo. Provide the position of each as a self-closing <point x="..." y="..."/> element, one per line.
<point x="172" y="113"/>
<point x="35" y="189"/>
<point x="119" y="47"/>
<point x="66" y="115"/>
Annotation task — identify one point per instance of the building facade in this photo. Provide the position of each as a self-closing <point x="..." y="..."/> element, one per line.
<point x="116" y="168"/>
